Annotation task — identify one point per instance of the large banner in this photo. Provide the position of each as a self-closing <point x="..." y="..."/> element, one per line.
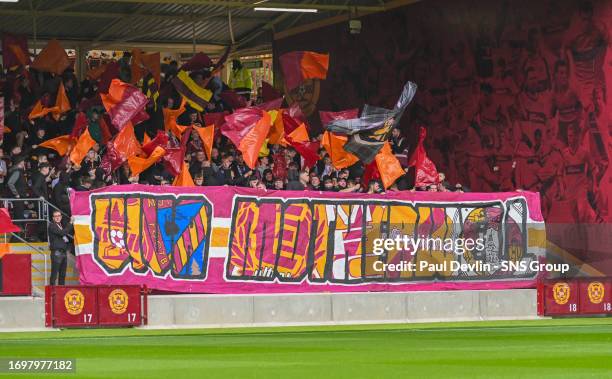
<point x="241" y="240"/>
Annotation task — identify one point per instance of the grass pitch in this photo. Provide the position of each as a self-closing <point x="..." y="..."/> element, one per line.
<point x="564" y="348"/>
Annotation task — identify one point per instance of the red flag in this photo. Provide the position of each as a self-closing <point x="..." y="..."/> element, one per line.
<point x="293" y="118"/>
<point x="52" y="58"/>
<point x="138" y="164"/>
<point x="80" y="123"/>
<point x="14" y="50"/>
<point x="269" y="93"/>
<point x="111" y="159"/>
<point x="174" y="158"/>
<point x="161" y="139"/>
<point x="61" y="144"/>
<point x="425" y="169"/>
<point x="388" y="165"/>
<point x="217" y="118"/>
<point x="247" y="128"/>
<point x="198" y="62"/>
<point x="207" y="135"/>
<point x="299" y="66"/>
<point x="110" y="73"/>
<point x="123" y="103"/>
<point x="300" y="141"/>
<point x="82" y="147"/>
<point x="327" y="117"/>
<point x="184" y="179"/>
<point x="232" y="99"/>
<point x="6" y="223"/>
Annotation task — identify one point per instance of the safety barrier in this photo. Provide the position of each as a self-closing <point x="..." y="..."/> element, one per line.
<point x="575" y="297"/>
<point x="95" y="306"/>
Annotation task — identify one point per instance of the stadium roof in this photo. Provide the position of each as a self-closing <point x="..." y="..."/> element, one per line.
<point x="116" y="23"/>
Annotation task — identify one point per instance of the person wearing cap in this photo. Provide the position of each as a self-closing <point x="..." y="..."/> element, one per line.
<point x="240" y="80"/>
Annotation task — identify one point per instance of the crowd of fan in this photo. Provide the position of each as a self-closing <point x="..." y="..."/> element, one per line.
<point x="30" y="171"/>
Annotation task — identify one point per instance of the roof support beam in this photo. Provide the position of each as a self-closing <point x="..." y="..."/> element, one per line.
<point x="115" y="15"/>
<point x="239" y="4"/>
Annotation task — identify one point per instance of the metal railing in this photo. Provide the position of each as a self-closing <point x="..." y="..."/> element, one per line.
<point x="38" y="212"/>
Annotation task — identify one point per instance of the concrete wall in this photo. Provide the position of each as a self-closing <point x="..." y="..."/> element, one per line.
<point x="184" y="311"/>
<point x="321" y="309"/>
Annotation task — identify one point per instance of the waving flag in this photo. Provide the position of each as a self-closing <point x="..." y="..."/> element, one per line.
<point x="300" y="141"/>
<point x="123" y="102"/>
<point x="82" y="147"/>
<point x="327" y="117"/>
<point x="334" y="145"/>
<point x="62" y="144"/>
<point x="175" y="156"/>
<point x="184" y="179"/>
<point x="207" y="135"/>
<point x="199" y="61"/>
<point x="62" y="105"/>
<point x="161" y="139"/>
<point x="369" y="132"/>
<point x="138" y="164"/>
<point x="299" y="66"/>
<point x="52" y="58"/>
<point x="389" y="166"/>
<point x="247" y="128"/>
<point x="195" y="95"/>
<point x="15" y="50"/>
<point x="425" y="170"/>
<point x="143" y="64"/>
<point x="170" y="117"/>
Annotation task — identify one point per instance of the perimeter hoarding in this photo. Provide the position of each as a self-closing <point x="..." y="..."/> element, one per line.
<point x="240" y="240"/>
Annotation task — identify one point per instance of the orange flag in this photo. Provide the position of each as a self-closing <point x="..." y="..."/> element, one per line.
<point x="299" y="134"/>
<point x="138" y="165"/>
<point x="207" y="135"/>
<point x="40" y="111"/>
<point x="389" y="166"/>
<point x="52" y="58"/>
<point x="83" y="145"/>
<point x="334" y="145"/>
<point x="143" y="63"/>
<point x="146" y="139"/>
<point x="277" y="131"/>
<point x="61" y="102"/>
<point x="170" y="116"/>
<point x="126" y="143"/>
<point x="251" y="143"/>
<point x="61" y="144"/>
<point x="184" y="179"/>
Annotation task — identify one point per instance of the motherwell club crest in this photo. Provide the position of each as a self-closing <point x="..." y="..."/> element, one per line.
<point x="118" y="301"/>
<point x="74" y="302"/>
<point x="561" y="293"/>
<point x="596" y="292"/>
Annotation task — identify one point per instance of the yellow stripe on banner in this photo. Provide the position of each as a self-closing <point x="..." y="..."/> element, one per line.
<point x="82" y="234"/>
<point x="219" y="237"/>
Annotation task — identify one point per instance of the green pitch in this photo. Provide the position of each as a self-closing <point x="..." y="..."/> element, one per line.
<point x="566" y="348"/>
